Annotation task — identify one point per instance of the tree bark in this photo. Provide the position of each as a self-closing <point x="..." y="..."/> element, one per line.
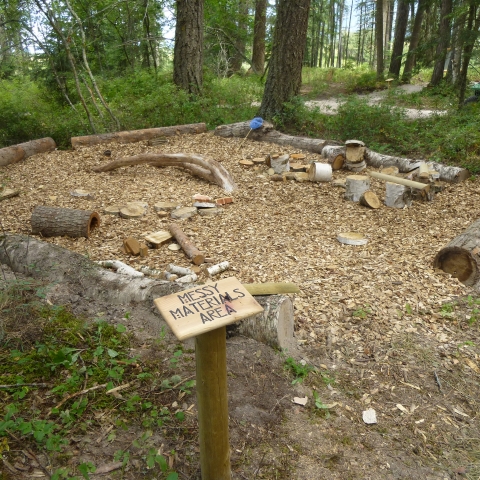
<point x="56" y="222"/>
<point x="379" y="32"/>
<point x="207" y="169"/>
<point x="400" y="30"/>
<point x="414" y="40"/>
<point x="460" y="257"/>
<point x="285" y="68"/>
<point x="188" y="50"/>
<point x="266" y="133"/>
<point x="138" y="135"/>
<point x="19" y="152"/>
<point x="259" y="32"/>
<point x="443" y="42"/>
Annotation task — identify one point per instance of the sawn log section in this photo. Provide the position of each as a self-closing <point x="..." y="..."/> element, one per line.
<point x="19" y="152"/>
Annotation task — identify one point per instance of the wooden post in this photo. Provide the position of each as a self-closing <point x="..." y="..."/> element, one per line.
<point x="211" y="358"/>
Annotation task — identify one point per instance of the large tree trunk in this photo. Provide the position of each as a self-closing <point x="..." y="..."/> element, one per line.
<point x="443" y="42"/>
<point x="207" y="169"/>
<point x="259" y="32"/>
<point x="266" y="133"/>
<point x="188" y="50"/>
<point x="414" y="40"/>
<point x="71" y="274"/>
<point x="240" y="41"/>
<point x="16" y="153"/>
<point x="285" y="69"/>
<point x="138" y="135"/>
<point x="379" y="32"/>
<point x="461" y="257"/>
<point x="400" y="30"/>
<point x="57" y="222"/>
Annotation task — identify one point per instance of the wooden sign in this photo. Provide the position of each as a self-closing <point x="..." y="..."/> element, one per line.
<point x="207" y="307"/>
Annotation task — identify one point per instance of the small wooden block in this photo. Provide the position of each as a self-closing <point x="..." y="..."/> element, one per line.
<point x="226" y="301"/>
<point x="143" y="250"/>
<point x="132" y="246"/>
<point x="159" y="238"/>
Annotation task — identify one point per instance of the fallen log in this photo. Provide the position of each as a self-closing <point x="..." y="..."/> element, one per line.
<point x="193" y="253"/>
<point x="131" y="136"/>
<point x="460" y="258"/>
<point x="71" y="274"/>
<point x="19" y="152"/>
<point x="208" y="169"/>
<point x="57" y="222"/>
<point x="266" y="133"/>
<point x="335" y="156"/>
<point x="404" y="165"/>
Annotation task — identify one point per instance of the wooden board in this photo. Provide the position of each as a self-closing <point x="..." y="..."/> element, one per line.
<point x="207" y="307"/>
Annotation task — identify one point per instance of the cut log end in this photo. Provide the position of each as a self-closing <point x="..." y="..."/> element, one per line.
<point x="459" y="263"/>
<point x="369" y="199"/>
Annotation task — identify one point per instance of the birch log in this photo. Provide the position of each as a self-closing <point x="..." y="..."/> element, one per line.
<point x="266" y="133"/>
<point x="19" y="152"/>
<point x="274" y="326"/>
<point x="460" y="258"/>
<point x="208" y="169"/>
<point x="447" y="173"/>
<point x="335" y="156"/>
<point x="56" y="222"/>
<point x="356" y="186"/>
<point x="138" y="135"/>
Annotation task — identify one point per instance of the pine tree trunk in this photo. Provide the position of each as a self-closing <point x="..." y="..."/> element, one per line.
<point x="379" y="14"/>
<point x="443" y="42"/>
<point x="400" y="31"/>
<point x="188" y="51"/>
<point x="414" y="40"/>
<point x="285" y="70"/>
<point x="259" y="32"/>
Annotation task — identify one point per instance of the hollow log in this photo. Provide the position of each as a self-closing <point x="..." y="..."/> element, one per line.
<point x="56" y="222"/>
<point x="460" y="258"/>
<point x="193" y="253"/>
<point x="266" y="133"/>
<point x="208" y="169"/>
<point x="274" y="326"/>
<point x="447" y="173"/>
<point x="19" y="152"/>
<point x="72" y="274"/>
<point x="131" y="136"/>
<point x="335" y="156"/>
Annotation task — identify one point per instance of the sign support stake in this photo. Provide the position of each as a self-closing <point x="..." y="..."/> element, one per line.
<point x="212" y="402"/>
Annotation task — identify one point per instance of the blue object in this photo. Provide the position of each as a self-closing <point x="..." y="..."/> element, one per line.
<point x="257" y="122"/>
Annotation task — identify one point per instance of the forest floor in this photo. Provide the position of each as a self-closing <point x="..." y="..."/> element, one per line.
<point x="379" y="327"/>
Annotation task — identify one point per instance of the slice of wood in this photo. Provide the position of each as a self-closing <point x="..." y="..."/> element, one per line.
<point x="298" y="156"/>
<point x="271" y="288"/>
<point x="193" y="253"/>
<point x="352" y="238"/>
<point x="354" y="152"/>
<point x="8" y="193"/>
<point x="137" y="135"/>
<point x="157" y="239"/>
<point x="184" y="212"/>
<point x="258" y="161"/>
<point x="112" y="210"/>
<point x="370" y="199"/>
<point x="297" y="167"/>
<point x="132" y="211"/>
<point x="82" y="193"/>
<point x="246" y="163"/>
<point x="165" y="206"/>
<point x="56" y="222"/>
<point x="210" y="212"/>
<point x="389" y="170"/>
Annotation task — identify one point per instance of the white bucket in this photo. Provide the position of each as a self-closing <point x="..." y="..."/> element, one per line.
<point x="320" y="172"/>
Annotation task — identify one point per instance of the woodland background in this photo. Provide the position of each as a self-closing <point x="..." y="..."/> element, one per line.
<point x="74" y="67"/>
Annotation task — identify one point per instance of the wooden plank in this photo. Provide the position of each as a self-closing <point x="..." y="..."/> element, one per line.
<point x="271" y="288"/>
<point x="400" y="181"/>
<point x="206" y="307"/>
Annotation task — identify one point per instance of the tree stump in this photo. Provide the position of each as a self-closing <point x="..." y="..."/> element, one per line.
<point x="356" y="186"/>
<point x="274" y="326"/>
<point x="397" y="196"/>
<point x="56" y="222"/>
<point x="320" y="172"/>
<point x="460" y="258"/>
<point x="280" y="163"/>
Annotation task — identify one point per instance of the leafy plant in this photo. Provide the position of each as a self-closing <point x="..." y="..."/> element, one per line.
<point x="299" y="370"/>
<point x="320" y="405"/>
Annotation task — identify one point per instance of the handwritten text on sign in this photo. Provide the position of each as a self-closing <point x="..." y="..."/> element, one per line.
<point x="207" y="307"/>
